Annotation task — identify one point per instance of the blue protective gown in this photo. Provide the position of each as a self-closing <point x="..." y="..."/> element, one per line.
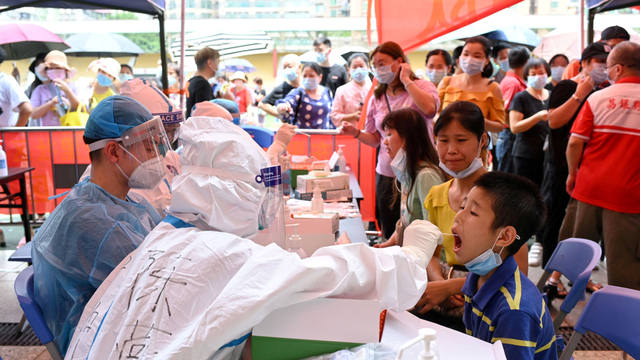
<point x="81" y="242"/>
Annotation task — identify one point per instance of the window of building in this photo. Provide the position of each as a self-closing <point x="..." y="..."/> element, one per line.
<point x="237" y="15"/>
<point x="267" y="3"/>
<point x="190" y="15"/>
<point x="237" y="3"/>
<point x="334" y="13"/>
<point x="171" y="5"/>
<point x="191" y="4"/>
<point x="207" y="16"/>
<point x="554" y="5"/>
<point x="267" y="15"/>
<point x="319" y="9"/>
<point x="206" y="4"/>
<point x="297" y="14"/>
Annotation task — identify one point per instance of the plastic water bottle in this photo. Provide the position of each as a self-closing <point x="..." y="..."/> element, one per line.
<point x="4" y="171"/>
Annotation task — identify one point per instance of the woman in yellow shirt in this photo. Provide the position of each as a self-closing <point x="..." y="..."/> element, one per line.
<point x="107" y="70"/>
<point x="474" y="84"/>
<point x="460" y="135"/>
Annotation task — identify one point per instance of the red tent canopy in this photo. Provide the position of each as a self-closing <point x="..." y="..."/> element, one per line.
<point x="412" y="23"/>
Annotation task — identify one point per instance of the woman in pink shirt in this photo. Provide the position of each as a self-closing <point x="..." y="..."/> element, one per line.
<point x="349" y="98"/>
<point x="398" y="88"/>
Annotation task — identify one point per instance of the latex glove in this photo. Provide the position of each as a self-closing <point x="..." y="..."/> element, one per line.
<point x="421" y="239"/>
<point x="281" y="141"/>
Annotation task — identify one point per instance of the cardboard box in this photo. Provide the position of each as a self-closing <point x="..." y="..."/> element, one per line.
<point x="336" y="181"/>
<point x="329" y="195"/>
<point x="314" y="328"/>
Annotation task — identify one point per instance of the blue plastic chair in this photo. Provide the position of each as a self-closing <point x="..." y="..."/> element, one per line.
<point x="575" y="259"/>
<point x="23" y="254"/>
<point x="24" y="290"/>
<point x="612" y="312"/>
<point x="264" y="137"/>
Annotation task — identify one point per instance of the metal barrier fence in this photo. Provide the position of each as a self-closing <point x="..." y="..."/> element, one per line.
<point x="60" y="157"/>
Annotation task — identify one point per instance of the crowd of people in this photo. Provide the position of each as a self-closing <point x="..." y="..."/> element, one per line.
<point x="481" y="151"/>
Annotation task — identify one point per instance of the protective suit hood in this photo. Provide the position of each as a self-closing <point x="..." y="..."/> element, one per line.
<point x="217" y="188"/>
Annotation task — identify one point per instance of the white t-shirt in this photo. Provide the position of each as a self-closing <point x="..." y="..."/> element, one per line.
<point x="11" y="96"/>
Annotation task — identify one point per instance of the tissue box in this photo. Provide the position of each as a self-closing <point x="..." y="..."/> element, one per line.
<point x="314" y="328"/>
<point x="307" y="183"/>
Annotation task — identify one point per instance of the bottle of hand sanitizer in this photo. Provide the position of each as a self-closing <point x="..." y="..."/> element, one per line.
<point x="317" y="203"/>
<point x="341" y="164"/>
<point x="4" y="171"/>
<point x="295" y="243"/>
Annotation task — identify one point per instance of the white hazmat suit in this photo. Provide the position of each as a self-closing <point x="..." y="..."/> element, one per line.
<point x="196" y="286"/>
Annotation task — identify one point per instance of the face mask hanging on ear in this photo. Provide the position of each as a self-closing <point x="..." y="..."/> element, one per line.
<point x="475" y="165"/>
<point x="487" y="261"/>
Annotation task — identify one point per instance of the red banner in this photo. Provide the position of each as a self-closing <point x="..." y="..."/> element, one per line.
<point x="412" y="23"/>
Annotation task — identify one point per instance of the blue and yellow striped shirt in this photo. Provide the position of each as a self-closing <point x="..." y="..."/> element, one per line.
<point x="509" y="308"/>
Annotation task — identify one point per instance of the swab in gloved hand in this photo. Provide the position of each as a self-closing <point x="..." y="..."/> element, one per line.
<point x="421" y="239"/>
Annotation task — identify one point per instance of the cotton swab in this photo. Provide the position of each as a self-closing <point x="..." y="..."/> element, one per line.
<point x="451" y="234"/>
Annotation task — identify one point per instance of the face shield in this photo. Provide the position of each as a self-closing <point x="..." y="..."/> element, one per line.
<point x="147" y="146"/>
<point x="271" y="214"/>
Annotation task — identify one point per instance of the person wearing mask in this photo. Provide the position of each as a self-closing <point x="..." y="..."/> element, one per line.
<point x="455" y="56"/>
<point x="512" y="84"/>
<point x="415" y="164"/>
<point x="308" y="107"/>
<point x="241" y="94"/>
<point x="474" y="85"/>
<point x="107" y="70"/>
<point x="528" y="121"/>
<point x="291" y="70"/>
<point x="198" y="87"/>
<point x="603" y="169"/>
<point x="100" y="219"/>
<point x="159" y="105"/>
<point x="565" y="103"/>
<point x="397" y="88"/>
<point x="333" y="75"/>
<point x="197" y="240"/>
<point x="56" y="96"/>
<point x="611" y="36"/>
<point x="126" y="73"/>
<point x="258" y="90"/>
<point x="460" y="136"/>
<point x="438" y="64"/>
<point x="558" y="63"/>
<point x="32" y="68"/>
<point x="500" y="57"/>
<point x="349" y="99"/>
<point x="15" y="107"/>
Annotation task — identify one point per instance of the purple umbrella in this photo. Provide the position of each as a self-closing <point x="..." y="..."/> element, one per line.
<point x="23" y="41"/>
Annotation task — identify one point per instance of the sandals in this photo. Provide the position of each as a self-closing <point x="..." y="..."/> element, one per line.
<point x="593" y="286"/>
<point x="554" y="292"/>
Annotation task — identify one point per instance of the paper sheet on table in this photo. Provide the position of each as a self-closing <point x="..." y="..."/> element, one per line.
<point x="344" y="210"/>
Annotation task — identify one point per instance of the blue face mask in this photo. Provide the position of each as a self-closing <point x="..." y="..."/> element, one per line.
<point x="537" y="81"/>
<point x="504" y="65"/>
<point x="598" y="73"/>
<point x="104" y="80"/>
<point x="359" y="74"/>
<point x="290" y="74"/>
<point x="399" y="166"/>
<point x="172" y="80"/>
<point x="42" y="78"/>
<point x="310" y="83"/>
<point x="487" y="261"/>
<point x="320" y="57"/>
<point x="384" y="74"/>
<point x="125" y="77"/>
<point x="556" y="73"/>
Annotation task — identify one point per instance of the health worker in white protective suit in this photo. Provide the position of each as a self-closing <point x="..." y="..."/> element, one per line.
<point x="281" y="139"/>
<point x="197" y="286"/>
<point x="159" y="105"/>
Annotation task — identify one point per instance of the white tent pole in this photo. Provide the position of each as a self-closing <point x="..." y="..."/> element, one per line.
<point x="582" y="45"/>
<point x="182" y="74"/>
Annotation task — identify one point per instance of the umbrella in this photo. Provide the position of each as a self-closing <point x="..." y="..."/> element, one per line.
<point x="566" y="40"/>
<point x="23" y="41"/>
<point x="102" y="45"/>
<point x="229" y="44"/>
<point x="347" y="51"/>
<point x="507" y="20"/>
<point x="515" y="35"/>
<point x="310" y="56"/>
<point x="233" y="65"/>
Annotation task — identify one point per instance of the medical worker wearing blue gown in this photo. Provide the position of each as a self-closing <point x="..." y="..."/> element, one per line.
<point x="100" y="221"/>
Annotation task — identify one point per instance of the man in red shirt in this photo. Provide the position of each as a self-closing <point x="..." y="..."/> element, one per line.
<point x="605" y="141"/>
<point x="512" y="84"/>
